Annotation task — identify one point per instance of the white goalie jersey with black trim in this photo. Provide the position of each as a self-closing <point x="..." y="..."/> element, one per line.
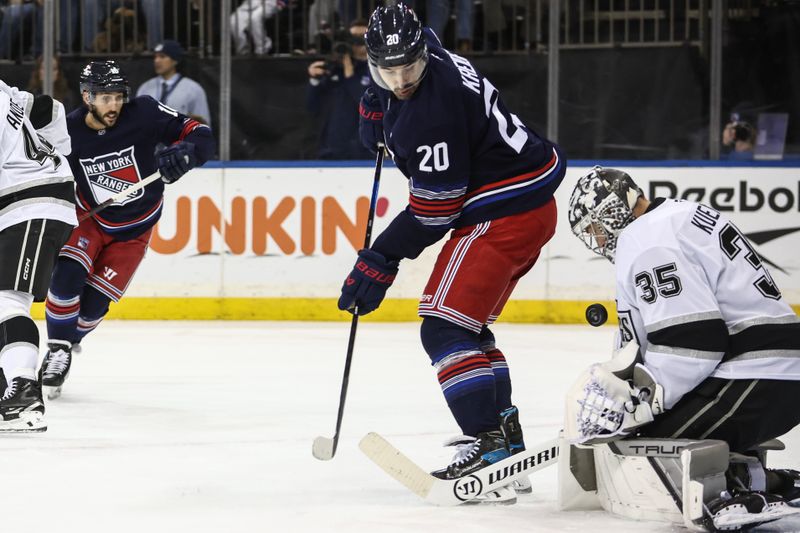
<point x="35" y="178"/>
<point x="699" y="300"/>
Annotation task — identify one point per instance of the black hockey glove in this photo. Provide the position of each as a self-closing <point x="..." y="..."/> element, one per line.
<point x="176" y="160"/>
<point x="367" y="284"/>
<point x="370" y="123"/>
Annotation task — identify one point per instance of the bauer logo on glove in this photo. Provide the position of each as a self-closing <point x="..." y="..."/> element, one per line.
<point x="364" y="289"/>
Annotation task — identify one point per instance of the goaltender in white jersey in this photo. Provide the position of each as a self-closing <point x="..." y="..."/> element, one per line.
<point x="709" y="351"/>
<point x="698" y="300"/>
<point x="37" y="214"/>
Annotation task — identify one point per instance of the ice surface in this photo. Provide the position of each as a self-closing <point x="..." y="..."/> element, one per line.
<point x="207" y="426"/>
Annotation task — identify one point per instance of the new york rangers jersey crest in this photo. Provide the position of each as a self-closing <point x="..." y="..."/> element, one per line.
<point x="110" y="174"/>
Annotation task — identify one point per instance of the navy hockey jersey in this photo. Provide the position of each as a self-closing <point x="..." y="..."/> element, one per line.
<point x="105" y="162"/>
<point x="468" y="158"/>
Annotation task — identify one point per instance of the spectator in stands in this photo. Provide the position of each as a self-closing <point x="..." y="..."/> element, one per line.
<point x="122" y="33"/>
<point x="153" y="20"/>
<point x="69" y="25"/>
<point x="349" y="9"/>
<point x="438" y="13"/>
<point x="321" y="22"/>
<point x="17" y="16"/>
<point x="739" y="138"/>
<point x="334" y="90"/>
<point x="96" y="14"/>
<point x="247" y="24"/>
<point x="172" y="88"/>
<point x="61" y="91"/>
<point x="69" y="17"/>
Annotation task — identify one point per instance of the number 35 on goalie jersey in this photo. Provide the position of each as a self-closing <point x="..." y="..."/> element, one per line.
<point x="700" y="302"/>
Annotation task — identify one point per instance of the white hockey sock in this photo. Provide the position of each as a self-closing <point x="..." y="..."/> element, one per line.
<point x="19" y="361"/>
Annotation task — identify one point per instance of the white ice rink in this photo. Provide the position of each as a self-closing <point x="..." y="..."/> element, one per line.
<point x="207" y="427"/>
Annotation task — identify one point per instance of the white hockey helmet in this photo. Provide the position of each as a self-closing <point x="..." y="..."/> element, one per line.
<point x="601" y="206"/>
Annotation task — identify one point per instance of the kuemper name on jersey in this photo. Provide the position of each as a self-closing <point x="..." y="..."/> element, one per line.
<point x="705" y="218"/>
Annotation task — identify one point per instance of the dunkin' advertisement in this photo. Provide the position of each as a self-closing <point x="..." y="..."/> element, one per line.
<point x="293" y="232"/>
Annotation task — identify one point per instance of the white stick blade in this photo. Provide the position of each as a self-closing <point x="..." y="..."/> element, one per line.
<point x="397" y="465"/>
<point x="322" y="448"/>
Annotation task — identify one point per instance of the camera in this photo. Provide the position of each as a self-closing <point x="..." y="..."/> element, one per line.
<point x="742" y="131"/>
<point x="341" y="48"/>
<point x="343" y="43"/>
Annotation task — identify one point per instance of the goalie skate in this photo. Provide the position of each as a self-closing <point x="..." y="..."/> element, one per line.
<point x="745" y="510"/>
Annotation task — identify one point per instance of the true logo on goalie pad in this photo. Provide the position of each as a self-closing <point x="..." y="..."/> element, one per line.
<point x="668" y="451"/>
<point x="651" y="448"/>
<point x="467" y="488"/>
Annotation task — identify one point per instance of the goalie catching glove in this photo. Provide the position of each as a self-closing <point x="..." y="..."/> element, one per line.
<point x="601" y="407"/>
<point x="366" y="286"/>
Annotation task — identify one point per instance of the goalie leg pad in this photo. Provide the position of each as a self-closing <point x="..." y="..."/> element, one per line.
<point x="646" y="479"/>
<point x="577" y="480"/>
<point x="704" y="464"/>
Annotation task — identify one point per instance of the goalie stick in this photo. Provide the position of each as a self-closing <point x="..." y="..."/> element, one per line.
<point x="451" y="492"/>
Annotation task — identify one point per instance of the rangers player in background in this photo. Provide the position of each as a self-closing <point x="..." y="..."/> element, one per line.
<point x="474" y="169"/>
<point x="114" y="144"/>
<point x="37" y="213"/>
<point x="719" y="348"/>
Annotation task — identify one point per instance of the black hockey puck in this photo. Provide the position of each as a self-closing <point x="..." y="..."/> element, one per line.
<point x="596" y="315"/>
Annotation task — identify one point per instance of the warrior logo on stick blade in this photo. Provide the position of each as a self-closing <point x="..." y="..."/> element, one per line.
<point x="323" y="448"/>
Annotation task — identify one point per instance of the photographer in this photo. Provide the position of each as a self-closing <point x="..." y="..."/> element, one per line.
<point x="739" y="138"/>
<point x="335" y="88"/>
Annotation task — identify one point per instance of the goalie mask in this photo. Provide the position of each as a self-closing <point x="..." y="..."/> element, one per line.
<point x="600" y="207"/>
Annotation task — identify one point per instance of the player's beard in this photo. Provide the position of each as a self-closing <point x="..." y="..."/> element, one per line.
<point x="410" y="87"/>
<point x="101" y="118"/>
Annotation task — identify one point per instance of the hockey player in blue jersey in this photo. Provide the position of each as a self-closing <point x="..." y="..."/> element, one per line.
<point x="474" y="169"/>
<point x="114" y="144"/>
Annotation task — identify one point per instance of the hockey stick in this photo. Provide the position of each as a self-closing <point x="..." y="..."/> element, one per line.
<point x="121" y="195"/>
<point x="448" y="492"/>
<point x="324" y="448"/>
